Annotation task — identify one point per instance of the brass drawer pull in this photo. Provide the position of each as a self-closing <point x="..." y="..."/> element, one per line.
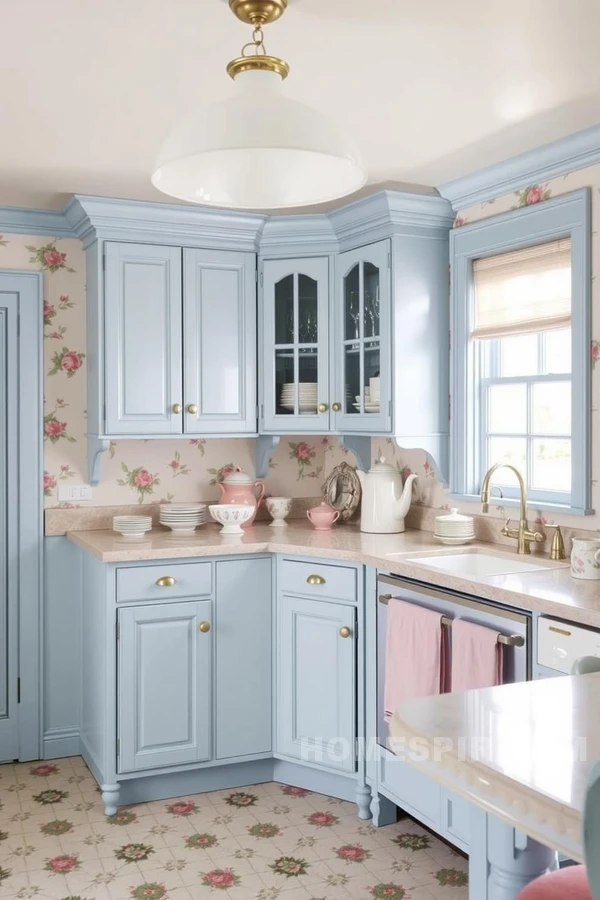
<point x="192" y="409"/>
<point x="559" y="631"/>
<point x="204" y="627"/>
<point x="345" y="632"/>
<point x="336" y="407"/>
<point x="176" y="408"/>
<point x="315" y="579"/>
<point x="165" y="581"/>
<point x="323" y="407"/>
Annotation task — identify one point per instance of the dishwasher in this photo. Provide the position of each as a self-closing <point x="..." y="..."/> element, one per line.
<point x="514" y="630"/>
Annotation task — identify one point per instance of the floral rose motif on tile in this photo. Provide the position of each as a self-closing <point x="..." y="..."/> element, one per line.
<point x="293" y="791"/>
<point x="452" y="877"/>
<point x="49" y="484"/>
<point x="151" y="890"/>
<point x="459" y="221"/>
<point x="535" y="193"/>
<point x="201" y="841"/>
<point x="48" y="258"/>
<point x="595" y="353"/>
<point x="122" y="817"/>
<point x="62" y="865"/>
<point x="409" y="841"/>
<point x="4" y="873"/>
<point x="54" y="429"/>
<point x="66" y="360"/>
<point x="388" y="891"/>
<point x="220" y="879"/>
<point x="290" y="866"/>
<point x="139" y="480"/>
<point x="218" y="475"/>
<point x="134" y="852"/>
<point x="182" y="808"/>
<point x="241" y="799"/>
<point x="264" y="830"/>
<point x="46" y="798"/>
<point x="57" y="827"/>
<point x="322" y="819"/>
<point x="304" y="454"/>
<point x="198" y="443"/>
<point x="352" y="853"/>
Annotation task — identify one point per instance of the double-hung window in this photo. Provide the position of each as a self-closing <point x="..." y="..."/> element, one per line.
<point x="521" y="354"/>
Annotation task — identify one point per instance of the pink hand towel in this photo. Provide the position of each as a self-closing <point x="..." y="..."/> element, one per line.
<point x="476" y="656"/>
<point x="415" y="654"/>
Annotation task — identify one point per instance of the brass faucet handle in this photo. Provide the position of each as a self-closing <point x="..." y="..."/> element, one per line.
<point x="510" y="532"/>
<point x="538" y="536"/>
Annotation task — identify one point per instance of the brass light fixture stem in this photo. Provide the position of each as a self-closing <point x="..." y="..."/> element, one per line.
<point x="257" y="13"/>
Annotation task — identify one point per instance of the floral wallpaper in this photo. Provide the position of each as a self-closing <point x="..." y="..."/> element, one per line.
<point x="428" y="491"/>
<point x="133" y="471"/>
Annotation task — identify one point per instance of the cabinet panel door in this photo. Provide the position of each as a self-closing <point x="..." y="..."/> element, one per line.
<point x="142" y="333"/>
<point x="316" y="682"/>
<point x="362" y="317"/>
<point x="164" y="685"/>
<point x="294" y="346"/>
<point x="219" y="313"/>
<point x="243" y="657"/>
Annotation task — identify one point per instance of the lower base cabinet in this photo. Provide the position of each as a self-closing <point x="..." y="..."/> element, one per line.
<point x="316" y="678"/>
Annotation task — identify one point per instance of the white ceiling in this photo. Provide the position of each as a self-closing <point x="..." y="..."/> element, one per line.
<point x="430" y="89"/>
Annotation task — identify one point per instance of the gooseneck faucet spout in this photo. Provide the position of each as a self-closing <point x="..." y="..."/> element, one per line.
<point x="522" y="534"/>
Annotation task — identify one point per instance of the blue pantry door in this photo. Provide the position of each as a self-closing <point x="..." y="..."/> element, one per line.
<point x="20" y="513"/>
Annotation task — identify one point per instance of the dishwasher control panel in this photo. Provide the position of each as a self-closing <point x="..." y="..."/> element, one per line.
<point x="561" y="644"/>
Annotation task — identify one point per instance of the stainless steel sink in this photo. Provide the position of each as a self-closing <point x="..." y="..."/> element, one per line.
<point x="476" y="564"/>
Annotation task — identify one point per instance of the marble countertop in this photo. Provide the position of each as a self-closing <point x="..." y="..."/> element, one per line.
<point x="550" y="589"/>
<point x="523" y="751"/>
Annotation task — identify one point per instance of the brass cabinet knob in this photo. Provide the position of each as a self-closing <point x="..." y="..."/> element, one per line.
<point x="176" y="408"/>
<point x="192" y="409"/>
<point x="345" y="632"/>
<point x="315" y="579"/>
<point x="336" y="407"/>
<point x="165" y="581"/>
<point x="204" y="627"/>
<point x="323" y="407"/>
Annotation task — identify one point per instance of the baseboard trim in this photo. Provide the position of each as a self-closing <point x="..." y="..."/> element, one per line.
<point x="329" y="783"/>
<point x="59" y="742"/>
<point x="194" y="781"/>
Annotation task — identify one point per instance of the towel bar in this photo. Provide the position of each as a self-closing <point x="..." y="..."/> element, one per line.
<point x="509" y="640"/>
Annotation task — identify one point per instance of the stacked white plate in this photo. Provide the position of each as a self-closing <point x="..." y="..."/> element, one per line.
<point x="132" y="526"/>
<point x="371" y="406"/>
<point x="454" y="528"/>
<point x="307" y="397"/>
<point x="183" y="518"/>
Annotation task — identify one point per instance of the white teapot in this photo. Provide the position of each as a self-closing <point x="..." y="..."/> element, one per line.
<point x="385" y="501"/>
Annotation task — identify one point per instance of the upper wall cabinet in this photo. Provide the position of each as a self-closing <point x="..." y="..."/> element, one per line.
<point x="180" y="339"/>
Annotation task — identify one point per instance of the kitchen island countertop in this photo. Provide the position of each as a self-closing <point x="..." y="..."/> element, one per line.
<point x="550" y="589"/>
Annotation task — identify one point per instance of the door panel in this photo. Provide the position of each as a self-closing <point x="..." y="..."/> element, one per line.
<point x="316" y="682"/>
<point x="165" y="668"/>
<point x="243" y="657"/>
<point x="295" y="379"/>
<point x="219" y="311"/>
<point x="362" y="333"/>
<point x="143" y="339"/>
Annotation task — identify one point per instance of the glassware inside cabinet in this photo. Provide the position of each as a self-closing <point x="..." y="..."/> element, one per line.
<point x="296" y="345"/>
<point x="362" y="343"/>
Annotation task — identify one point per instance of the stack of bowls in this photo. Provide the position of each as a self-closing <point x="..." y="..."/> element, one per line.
<point x="454" y="529"/>
<point x="132" y="526"/>
<point x="182" y="518"/>
<point x="307" y="397"/>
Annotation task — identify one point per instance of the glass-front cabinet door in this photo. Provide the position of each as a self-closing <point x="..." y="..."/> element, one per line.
<point x="362" y="394"/>
<point x="295" y="382"/>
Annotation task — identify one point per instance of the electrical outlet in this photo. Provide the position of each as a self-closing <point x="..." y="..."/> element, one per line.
<point x="71" y="493"/>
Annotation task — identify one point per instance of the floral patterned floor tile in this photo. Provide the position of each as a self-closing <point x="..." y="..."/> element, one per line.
<point x="263" y="842"/>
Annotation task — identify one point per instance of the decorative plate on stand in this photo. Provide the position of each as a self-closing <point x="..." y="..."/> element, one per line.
<point x="342" y="491"/>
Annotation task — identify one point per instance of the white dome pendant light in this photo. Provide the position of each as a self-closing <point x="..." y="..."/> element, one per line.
<point x="258" y="149"/>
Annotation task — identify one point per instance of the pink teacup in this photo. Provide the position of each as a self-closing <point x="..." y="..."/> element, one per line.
<point x="322" y="517"/>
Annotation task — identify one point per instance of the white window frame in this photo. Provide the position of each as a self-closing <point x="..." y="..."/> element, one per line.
<point x="568" y="215"/>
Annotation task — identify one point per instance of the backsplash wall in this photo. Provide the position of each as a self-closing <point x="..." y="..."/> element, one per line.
<point x="428" y="491"/>
<point x="133" y="470"/>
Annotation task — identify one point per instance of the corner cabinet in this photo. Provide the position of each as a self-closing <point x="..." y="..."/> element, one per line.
<point x="180" y="335"/>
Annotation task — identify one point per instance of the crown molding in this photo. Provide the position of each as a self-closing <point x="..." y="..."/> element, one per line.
<point x="20" y="220"/>
<point x="308" y="235"/>
<point x="576" y="151"/>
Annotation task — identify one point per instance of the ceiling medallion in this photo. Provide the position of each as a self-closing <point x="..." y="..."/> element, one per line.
<point x="258" y="149"/>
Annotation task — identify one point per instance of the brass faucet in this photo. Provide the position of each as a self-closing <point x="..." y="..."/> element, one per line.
<point x="522" y="534"/>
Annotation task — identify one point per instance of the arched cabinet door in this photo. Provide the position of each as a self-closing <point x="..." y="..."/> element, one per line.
<point x="294" y="384"/>
<point x="362" y="326"/>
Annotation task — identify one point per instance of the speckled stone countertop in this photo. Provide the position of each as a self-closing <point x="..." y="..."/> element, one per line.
<point x="507" y="749"/>
<point x="550" y="589"/>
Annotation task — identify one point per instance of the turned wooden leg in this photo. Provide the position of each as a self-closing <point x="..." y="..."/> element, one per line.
<point x="110" y="796"/>
<point x="363" y="800"/>
<point x="514" y="860"/>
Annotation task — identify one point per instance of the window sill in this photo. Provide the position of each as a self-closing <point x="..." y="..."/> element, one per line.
<point x="513" y="503"/>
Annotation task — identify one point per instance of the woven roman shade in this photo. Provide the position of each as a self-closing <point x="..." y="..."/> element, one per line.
<point x="523" y="291"/>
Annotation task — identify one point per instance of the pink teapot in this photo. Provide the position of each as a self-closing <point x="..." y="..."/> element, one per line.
<point x="237" y="487"/>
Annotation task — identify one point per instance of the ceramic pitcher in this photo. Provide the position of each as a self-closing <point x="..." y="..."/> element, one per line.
<point x="237" y="487"/>
<point x="585" y="559"/>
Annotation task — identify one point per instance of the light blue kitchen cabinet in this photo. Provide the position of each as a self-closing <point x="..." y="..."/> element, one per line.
<point x="243" y="664"/>
<point x="142" y="335"/>
<point x="316" y="682"/>
<point x="219" y="342"/>
<point x="293" y="347"/>
<point x="361" y="397"/>
<point x="165" y="685"/>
